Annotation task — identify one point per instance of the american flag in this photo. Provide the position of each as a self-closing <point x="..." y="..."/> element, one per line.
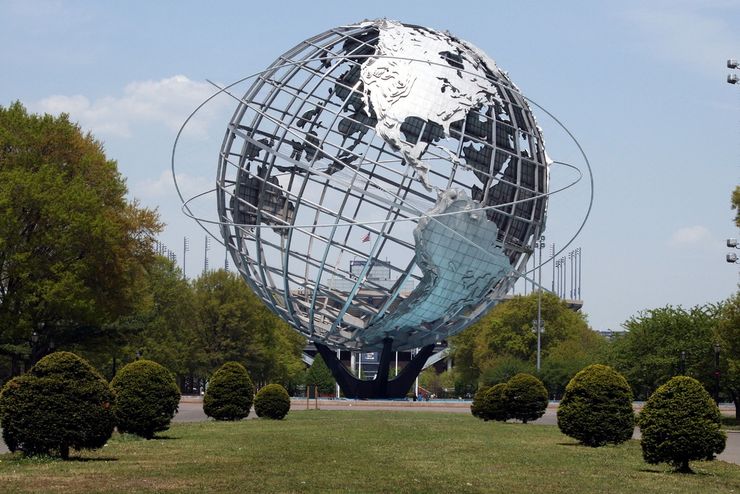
<point x="366" y="238"/>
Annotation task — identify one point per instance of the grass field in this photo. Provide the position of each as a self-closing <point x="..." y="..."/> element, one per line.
<point x="360" y="451"/>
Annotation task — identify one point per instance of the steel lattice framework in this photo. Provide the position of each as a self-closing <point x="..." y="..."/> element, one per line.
<point x="334" y="229"/>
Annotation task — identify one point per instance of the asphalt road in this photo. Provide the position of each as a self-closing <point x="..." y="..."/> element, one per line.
<point x="191" y="410"/>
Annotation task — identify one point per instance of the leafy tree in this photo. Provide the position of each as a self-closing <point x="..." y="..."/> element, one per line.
<point x="61" y="403"/>
<point x="505" y="334"/>
<point x="525" y="397"/>
<point x="72" y="247"/>
<point x="230" y="393"/>
<point x="680" y="423"/>
<point x="597" y="407"/>
<point x="319" y="375"/>
<point x="728" y="335"/>
<point x="649" y="353"/>
<point x="147" y="398"/>
<point x="501" y="369"/>
<point x="736" y="204"/>
<point x="233" y="325"/>
<point x="168" y="323"/>
<point x="439" y="384"/>
<point x="566" y="358"/>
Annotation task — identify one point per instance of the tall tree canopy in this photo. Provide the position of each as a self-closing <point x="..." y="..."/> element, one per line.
<point x="650" y="351"/>
<point x="736" y="204"/>
<point x="72" y="247"/>
<point x="728" y="335"/>
<point x="319" y="375"/>
<point x="504" y="342"/>
<point x="235" y="325"/>
<point x="167" y="322"/>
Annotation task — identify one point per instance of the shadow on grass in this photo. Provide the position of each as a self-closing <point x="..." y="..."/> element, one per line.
<point x="670" y="471"/>
<point x="653" y="470"/>
<point x="128" y="437"/>
<point x="83" y="459"/>
<point x="19" y="457"/>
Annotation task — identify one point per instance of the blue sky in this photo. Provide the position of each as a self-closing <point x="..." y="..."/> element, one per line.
<point x="641" y="85"/>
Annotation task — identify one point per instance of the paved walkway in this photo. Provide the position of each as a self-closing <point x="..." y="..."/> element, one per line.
<point x="191" y="410"/>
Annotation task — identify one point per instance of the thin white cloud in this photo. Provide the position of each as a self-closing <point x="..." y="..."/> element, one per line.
<point x="697" y="35"/>
<point x="691" y="236"/>
<point x="164" y="187"/>
<point x="164" y="102"/>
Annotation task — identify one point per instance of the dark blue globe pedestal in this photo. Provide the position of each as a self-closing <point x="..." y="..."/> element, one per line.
<point x="380" y="387"/>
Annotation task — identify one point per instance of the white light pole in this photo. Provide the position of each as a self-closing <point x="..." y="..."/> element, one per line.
<point x="339" y="357"/>
<point x="539" y="245"/>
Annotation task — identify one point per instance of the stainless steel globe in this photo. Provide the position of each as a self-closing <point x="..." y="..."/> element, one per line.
<point x="382" y="183"/>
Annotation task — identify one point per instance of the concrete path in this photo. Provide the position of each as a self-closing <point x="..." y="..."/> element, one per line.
<point x="191" y="410"/>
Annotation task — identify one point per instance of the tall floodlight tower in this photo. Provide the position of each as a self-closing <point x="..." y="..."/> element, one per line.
<point x="185" y="249"/>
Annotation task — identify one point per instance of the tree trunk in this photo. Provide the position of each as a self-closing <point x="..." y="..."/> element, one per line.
<point x="684" y="468"/>
<point x="64" y="451"/>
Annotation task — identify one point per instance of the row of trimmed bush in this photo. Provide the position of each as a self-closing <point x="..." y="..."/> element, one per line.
<point x="230" y="394"/>
<point x="64" y="403"/>
<point x="679" y="423"/>
<point x="523" y="397"/>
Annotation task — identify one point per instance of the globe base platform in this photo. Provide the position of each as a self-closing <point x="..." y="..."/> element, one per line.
<point x="380" y="387"/>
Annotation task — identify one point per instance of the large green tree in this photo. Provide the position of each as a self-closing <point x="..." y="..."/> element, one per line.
<point x="72" y="247"/>
<point x="664" y="342"/>
<point x="233" y="324"/>
<point x="320" y="376"/>
<point x="736" y="204"/>
<point x="567" y="357"/>
<point x="488" y="348"/>
<point x="167" y="323"/>
<point x="728" y="335"/>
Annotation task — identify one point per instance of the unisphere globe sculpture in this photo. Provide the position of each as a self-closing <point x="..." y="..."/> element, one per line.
<point x="381" y="185"/>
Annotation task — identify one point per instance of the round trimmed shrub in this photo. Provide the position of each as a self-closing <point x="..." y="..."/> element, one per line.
<point x="61" y="403"/>
<point x="525" y="397"/>
<point x="596" y="408"/>
<point x="680" y="423"/>
<point x="477" y="404"/>
<point x="229" y="394"/>
<point x="147" y="397"/>
<point x="494" y="405"/>
<point x="272" y="402"/>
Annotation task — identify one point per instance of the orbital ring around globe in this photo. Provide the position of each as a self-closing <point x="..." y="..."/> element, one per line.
<point x="225" y="90"/>
<point x="362" y="140"/>
<point x="200" y="220"/>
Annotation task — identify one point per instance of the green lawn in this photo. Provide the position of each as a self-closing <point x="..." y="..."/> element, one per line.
<point x="360" y="451"/>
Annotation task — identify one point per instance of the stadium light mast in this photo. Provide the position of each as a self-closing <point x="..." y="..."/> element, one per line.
<point x="732" y="243"/>
<point x="732" y="64"/>
<point x="185" y="248"/>
<point x="539" y="245"/>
